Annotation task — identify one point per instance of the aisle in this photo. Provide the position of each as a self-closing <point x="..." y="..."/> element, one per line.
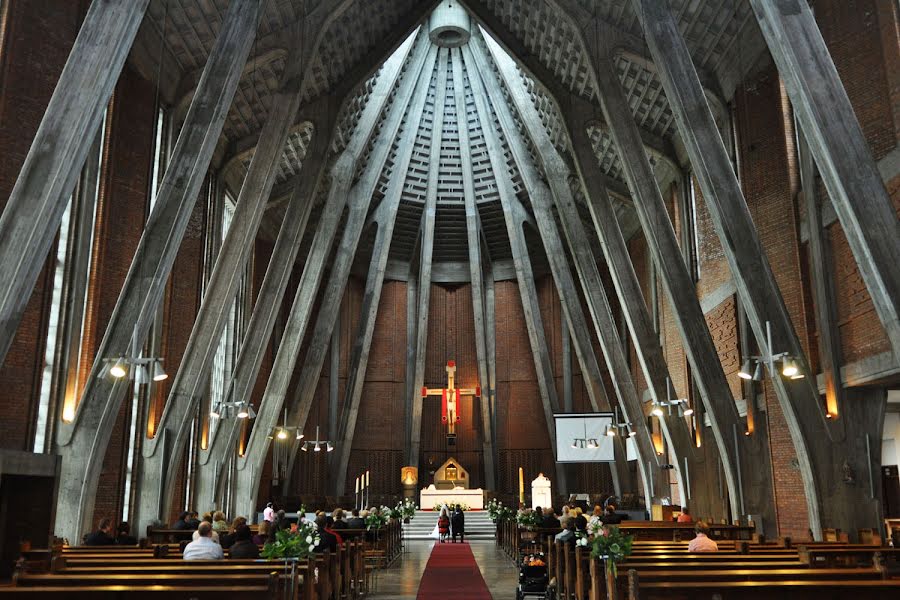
<point x="451" y="573"/>
<point x="401" y="580"/>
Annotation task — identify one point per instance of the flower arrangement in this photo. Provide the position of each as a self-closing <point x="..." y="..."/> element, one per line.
<point x="528" y="518"/>
<point x="612" y="545"/>
<point x="407" y="509"/>
<point x="506" y="514"/>
<point x="377" y="518"/>
<point x="594" y="526"/>
<point x="450" y="505"/>
<point x="493" y="509"/>
<point x="299" y="543"/>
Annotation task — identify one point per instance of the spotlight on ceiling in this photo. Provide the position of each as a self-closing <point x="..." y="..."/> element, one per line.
<point x="159" y="374"/>
<point x="745" y="372"/>
<point x="758" y="372"/>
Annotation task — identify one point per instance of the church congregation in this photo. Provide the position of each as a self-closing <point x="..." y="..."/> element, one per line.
<point x="450" y="299"/>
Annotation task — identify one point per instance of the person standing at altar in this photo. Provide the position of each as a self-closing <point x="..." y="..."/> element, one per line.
<point x="458" y="524"/>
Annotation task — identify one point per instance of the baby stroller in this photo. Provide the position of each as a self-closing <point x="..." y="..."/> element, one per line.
<point x="533" y="578"/>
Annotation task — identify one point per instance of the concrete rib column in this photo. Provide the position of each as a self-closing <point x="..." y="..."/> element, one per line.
<point x="427" y="247"/>
<point x="474" y="239"/>
<point x="595" y="296"/>
<point x="837" y="142"/>
<point x="191" y="381"/>
<point x="515" y="218"/>
<point x="222" y="441"/>
<point x="822" y="463"/>
<point x="386" y="219"/>
<point x="83" y="442"/>
<point x="38" y="200"/>
<point x="340" y="194"/>
<point x="679" y="286"/>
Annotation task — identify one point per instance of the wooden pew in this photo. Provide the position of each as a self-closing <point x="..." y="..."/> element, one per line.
<point x="838" y="589"/>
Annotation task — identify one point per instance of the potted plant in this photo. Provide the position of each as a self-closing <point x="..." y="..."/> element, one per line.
<point x="612" y="546"/>
<point x="528" y="519"/>
<point x="407" y="509"/>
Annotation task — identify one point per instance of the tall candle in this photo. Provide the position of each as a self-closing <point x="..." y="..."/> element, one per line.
<point x="357" y="485"/>
<point x="521" y="485"/>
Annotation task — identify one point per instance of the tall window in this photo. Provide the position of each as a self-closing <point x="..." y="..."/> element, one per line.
<point x="160" y="154"/>
<point x="68" y="300"/>
<point x="223" y="362"/>
<point x="690" y="241"/>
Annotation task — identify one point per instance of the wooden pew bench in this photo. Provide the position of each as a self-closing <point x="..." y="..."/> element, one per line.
<point x="154" y="592"/>
<point x="836" y="589"/>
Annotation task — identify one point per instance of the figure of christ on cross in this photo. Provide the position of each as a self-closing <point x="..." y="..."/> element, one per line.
<point x="450" y="400"/>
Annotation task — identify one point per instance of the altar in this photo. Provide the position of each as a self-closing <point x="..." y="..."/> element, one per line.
<point x="433" y="498"/>
<point x="451" y="486"/>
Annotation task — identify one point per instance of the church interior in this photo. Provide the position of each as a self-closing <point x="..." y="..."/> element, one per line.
<point x="585" y="270"/>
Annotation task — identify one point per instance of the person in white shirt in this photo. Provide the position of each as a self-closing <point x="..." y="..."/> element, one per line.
<point x="702" y="543"/>
<point x="269" y="513"/>
<point x="203" y="548"/>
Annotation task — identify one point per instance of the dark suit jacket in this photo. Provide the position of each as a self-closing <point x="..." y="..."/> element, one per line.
<point x="98" y="538"/>
<point x="458" y="523"/>
<point x="550" y="523"/>
<point x="356" y="523"/>
<point x="243" y="549"/>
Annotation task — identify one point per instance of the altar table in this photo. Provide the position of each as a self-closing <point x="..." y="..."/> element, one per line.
<point x="431" y="499"/>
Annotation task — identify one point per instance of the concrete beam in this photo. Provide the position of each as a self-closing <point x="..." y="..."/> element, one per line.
<point x="429" y="213"/>
<point x="83" y="442"/>
<point x="820" y="446"/>
<point x="559" y="194"/>
<point x="340" y="195"/>
<point x="222" y="440"/>
<point x="514" y="215"/>
<point x="836" y="140"/>
<point x="476" y="277"/>
<point x="192" y="379"/>
<point x="38" y="200"/>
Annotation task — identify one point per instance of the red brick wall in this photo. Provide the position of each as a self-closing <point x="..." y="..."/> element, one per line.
<point x="121" y="213"/>
<point x="36" y="39"/>
<point x="861" y="36"/>
<point x="769" y="179"/>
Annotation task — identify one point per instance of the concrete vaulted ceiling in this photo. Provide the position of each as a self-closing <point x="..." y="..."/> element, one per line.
<point x="540" y="36"/>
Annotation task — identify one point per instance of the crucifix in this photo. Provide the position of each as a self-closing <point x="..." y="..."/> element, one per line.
<point x="450" y="400"/>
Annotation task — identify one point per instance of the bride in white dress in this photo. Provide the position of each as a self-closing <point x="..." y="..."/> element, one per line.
<point x="436" y="534"/>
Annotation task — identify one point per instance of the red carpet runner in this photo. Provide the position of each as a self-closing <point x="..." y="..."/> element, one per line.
<point x="451" y="573"/>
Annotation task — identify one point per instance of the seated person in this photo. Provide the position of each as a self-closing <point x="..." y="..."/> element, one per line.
<point x="193" y="521"/>
<point x="611" y="517"/>
<point x="203" y="548"/>
<point x="219" y="523"/>
<point x="339" y="522"/>
<point x="329" y="527"/>
<point x="262" y="534"/>
<point x="327" y="540"/>
<point x="598" y="511"/>
<point x="356" y="522"/>
<point x="227" y="539"/>
<point x="243" y="546"/>
<point x="207" y="518"/>
<point x="183" y="521"/>
<point x="103" y="536"/>
<point x="685" y="516"/>
<point x="702" y="543"/>
<point x="568" y="533"/>
<point x="580" y="523"/>
<point x="550" y="521"/>
<point x="123" y="535"/>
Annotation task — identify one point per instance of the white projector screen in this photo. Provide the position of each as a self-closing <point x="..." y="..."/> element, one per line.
<point x="570" y="426"/>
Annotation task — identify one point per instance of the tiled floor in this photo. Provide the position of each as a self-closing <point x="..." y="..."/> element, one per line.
<point x="401" y="580"/>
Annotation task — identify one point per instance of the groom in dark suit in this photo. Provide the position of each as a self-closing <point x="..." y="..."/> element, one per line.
<point x="458" y="524"/>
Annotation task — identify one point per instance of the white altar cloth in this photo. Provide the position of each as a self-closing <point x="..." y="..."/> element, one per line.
<point x="433" y="498"/>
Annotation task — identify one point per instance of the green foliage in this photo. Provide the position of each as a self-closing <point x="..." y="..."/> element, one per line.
<point x="612" y="545"/>
<point x="528" y="518"/>
<point x="292" y="544"/>
<point x="406" y="509"/>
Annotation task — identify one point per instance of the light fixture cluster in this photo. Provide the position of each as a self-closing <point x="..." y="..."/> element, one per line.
<point x="671" y="404"/>
<point x="618" y="427"/>
<point x="284" y="432"/>
<point x="141" y="370"/>
<point x="317" y="444"/>
<point x="226" y="410"/>
<point x="752" y="369"/>
<point x="613" y="429"/>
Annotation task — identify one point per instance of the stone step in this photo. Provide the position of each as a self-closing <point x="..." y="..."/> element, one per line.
<point x="478" y="525"/>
